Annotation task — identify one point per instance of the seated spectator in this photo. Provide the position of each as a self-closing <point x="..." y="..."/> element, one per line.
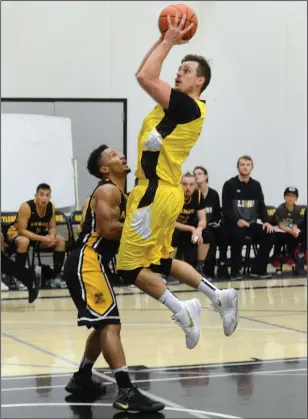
<point x="212" y="234"/>
<point x="242" y="205"/>
<point x="24" y="275"/>
<point x="288" y="219"/>
<point x="301" y="251"/>
<point x="36" y="222"/>
<point x="191" y="222"/>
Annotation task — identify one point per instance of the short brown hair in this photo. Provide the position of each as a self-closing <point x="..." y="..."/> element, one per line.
<point x="187" y="174"/>
<point x="203" y="69"/>
<point x="246" y="157"/>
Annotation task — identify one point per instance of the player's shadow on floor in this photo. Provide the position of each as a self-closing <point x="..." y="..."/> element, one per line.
<point x="138" y="415"/>
<point x="85" y="412"/>
<point x="82" y="412"/>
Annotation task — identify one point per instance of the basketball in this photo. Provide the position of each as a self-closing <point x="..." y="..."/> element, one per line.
<point x="182" y="9"/>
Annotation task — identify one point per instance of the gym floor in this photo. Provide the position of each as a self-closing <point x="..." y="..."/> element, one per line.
<point x="260" y="371"/>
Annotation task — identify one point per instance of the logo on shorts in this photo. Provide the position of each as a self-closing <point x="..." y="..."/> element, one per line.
<point x="99" y="298"/>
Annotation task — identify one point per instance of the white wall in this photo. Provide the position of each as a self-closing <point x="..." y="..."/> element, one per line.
<point x="257" y="100"/>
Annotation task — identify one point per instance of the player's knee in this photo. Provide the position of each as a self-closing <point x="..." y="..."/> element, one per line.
<point x="22" y="244"/>
<point x="111" y="330"/>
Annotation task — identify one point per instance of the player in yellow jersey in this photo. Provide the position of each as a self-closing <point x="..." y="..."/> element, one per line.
<point x="166" y="138"/>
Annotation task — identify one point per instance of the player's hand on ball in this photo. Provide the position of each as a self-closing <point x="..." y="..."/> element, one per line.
<point x="175" y="33"/>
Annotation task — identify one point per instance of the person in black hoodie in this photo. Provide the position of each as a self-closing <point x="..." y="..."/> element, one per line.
<point x="242" y="205"/>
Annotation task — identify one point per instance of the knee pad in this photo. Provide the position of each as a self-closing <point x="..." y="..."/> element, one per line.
<point x="164" y="267"/>
<point x="129" y="277"/>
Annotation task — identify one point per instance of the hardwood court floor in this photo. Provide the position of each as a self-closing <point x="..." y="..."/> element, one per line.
<point x="42" y="340"/>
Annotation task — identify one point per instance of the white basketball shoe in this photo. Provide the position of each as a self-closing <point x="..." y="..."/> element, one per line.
<point x="189" y="320"/>
<point x="228" y="309"/>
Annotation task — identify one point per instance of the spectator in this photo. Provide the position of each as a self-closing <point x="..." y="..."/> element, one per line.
<point x="212" y="234"/>
<point x="190" y="223"/>
<point x="301" y="251"/>
<point x="242" y="204"/>
<point x="36" y="222"/>
<point x="288" y="219"/>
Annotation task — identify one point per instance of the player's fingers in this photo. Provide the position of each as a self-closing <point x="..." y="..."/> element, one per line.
<point x="169" y="22"/>
<point x="176" y="19"/>
<point x="182" y="23"/>
<point x="184" y="31"/>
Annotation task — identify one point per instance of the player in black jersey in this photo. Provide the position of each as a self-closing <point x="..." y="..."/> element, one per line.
<point x="213" y="234"/>
<point x="36" y="222"/>
<point x="90" y="287"/>
<point x="191" y="221"/>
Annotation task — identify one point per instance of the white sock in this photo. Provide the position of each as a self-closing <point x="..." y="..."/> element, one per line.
<point x="209" y="290"/>
<point x="124" y="368"/>
<point x="169" y="300"/>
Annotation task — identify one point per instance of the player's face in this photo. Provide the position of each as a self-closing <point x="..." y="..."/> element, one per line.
<point x="245" y="167"/>
<point x="187" y="80"/>
<point x="114" y="163"/>
<point x="290" y="198"/>
<point x="43" y="197"/>
<point x="200" y="176"/>
<point x="189" y="186"/>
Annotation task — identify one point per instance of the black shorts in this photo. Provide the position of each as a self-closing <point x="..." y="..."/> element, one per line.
<point x="90" y="289"/>
<point x="181" y="239"/>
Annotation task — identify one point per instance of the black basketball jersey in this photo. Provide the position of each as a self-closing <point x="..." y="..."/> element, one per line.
<point x="191" y="205"/>
<point x="90" y="237"/>
<point x="36" y="224"/>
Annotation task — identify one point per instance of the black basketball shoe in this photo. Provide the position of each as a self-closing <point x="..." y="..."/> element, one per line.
<point x="81" y="385"/>
<point x="130" y="399"/>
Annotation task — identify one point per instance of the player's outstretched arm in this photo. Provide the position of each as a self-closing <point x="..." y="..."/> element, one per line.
<point x="148" y="77"/>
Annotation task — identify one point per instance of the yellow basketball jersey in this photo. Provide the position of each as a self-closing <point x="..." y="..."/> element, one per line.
<point x="164" y="145"/>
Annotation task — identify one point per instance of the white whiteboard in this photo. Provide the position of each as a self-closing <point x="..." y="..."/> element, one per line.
<point x="36" y="149"/>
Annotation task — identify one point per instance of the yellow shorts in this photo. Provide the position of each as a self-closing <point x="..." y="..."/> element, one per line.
<point x="150" y="220"/>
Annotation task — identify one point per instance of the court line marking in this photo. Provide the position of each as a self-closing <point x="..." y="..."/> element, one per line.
<point x="97" y="373"/>
<point x="33" y="365"/>
<point x="167" y="369"/>
<point x="174" y="409"/>
<point x="273" y="324"/>
<point x="223" y="364"/>
<point x="245" y="288"/>
<point x="144" y="324"/>
<point x="262" y="373"/>
<point x="24" y="377"/>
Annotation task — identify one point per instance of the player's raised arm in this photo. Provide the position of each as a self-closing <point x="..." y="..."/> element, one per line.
<point x="149" y="75"/>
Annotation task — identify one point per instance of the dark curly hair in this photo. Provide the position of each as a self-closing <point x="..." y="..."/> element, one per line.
<point x="95" y="161"/>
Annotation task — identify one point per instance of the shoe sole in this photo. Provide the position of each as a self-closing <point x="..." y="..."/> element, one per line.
<point x="234" y="300"/>
<point x="144" y="409"/>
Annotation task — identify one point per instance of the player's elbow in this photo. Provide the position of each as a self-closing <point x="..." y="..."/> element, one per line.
<point x="141" y="78"/>
<point x="144" y="79"/>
